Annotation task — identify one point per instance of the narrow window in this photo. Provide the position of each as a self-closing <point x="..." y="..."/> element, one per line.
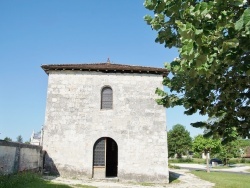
<point x="99" y="152"/>
<point x="107" y="98"/>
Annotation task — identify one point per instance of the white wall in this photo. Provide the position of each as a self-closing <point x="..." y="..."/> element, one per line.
<point x="74" y="122"/>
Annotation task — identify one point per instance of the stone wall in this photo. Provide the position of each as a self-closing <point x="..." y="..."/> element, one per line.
<point x="74" y="122"/>
<point x="16" y="157"/>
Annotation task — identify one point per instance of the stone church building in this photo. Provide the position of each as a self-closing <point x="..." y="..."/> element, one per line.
<point x="102" y="121"/>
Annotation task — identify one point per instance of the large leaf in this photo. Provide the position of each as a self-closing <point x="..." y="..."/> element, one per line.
<point x="150" y="4"/>
<point x="246" y="16"/>
<point x="239" y="24"/>
<point x="203" y="8"/>
<point x="148" y="19"/>
<point x="232" y="43"/>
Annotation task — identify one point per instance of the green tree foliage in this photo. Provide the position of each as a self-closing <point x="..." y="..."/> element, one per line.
<point x="206" y="145"/>
<point x="244" y="143"/>
<point x="202" y="144"/>
<point x="212" y="74"/>
<point x="19" y="139"/>
<point x="229" y="150"/>
<point x="216" y="148"/>
<point x="8" y="139"/>
<point x="179" y="141"/>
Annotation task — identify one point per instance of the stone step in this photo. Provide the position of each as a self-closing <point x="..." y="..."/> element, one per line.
<point x="111" y="179"/>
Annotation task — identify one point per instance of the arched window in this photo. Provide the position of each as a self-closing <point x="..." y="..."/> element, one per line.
<point x="107" y="98"/>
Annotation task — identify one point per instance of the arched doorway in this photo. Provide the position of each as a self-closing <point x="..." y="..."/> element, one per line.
<point x="105" y="158"/>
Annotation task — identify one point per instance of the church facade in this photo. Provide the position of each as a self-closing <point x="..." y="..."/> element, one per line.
<point x="102" y="121"/>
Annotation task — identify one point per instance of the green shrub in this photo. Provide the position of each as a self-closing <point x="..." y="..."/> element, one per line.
<point x="199" y="161"/>
<point x="181" y="160"/>
<point x="245" y="160"/>
<point x="234" y="160"/>
<point x="188" y="160"/>
<point x="196" y="155"/>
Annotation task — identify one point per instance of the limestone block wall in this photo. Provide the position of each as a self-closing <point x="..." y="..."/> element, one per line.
<point x="74" y="122"/>
<point x="30" y="158"/>
<point x="15" y="157"/>
<point x="7" y="159"/>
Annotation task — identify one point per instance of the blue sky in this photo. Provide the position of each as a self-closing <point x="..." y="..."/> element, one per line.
<point x="33" y="33"/>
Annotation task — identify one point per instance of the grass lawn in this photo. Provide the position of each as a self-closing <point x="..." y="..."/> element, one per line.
<point x="225" y="180"/>
<point x="32" y="180"/>
<point x="41" y="184"/>
<point x="49" y="184"/>
<point x="83" y="186"/>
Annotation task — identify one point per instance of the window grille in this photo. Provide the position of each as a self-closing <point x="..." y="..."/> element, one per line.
<point x="107" y="98"/>
<point x="99" y="153"/>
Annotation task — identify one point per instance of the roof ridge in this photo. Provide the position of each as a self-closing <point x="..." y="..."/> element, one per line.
<point x="105" y="63"/>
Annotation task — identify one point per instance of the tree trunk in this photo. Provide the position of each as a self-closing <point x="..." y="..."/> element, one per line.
<point x="225" y="161"/>
<point x="207" y="158"/>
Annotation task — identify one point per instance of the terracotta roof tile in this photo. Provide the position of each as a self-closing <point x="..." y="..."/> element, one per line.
<point x="106" y="67"/>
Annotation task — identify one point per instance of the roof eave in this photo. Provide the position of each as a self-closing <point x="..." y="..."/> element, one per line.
<point x="125" y="69"/>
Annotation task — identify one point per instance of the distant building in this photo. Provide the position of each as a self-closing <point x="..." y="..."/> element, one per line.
<point x="102" y="121"/>
<point x="36" y="138"/>
<point x="247" y="152"/>
<point x="204" y="155"/>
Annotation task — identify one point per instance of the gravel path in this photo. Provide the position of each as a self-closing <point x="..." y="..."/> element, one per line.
<point x="187" y="179"/>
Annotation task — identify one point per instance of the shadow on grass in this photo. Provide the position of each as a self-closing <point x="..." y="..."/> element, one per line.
<point x="42" y="184"/>
<point x="27" y="180"/>
<point x="201" y="170"/>
<point x="174" y="177"/>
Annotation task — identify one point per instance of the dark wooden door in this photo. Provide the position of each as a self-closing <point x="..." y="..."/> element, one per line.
<point x="111" y="158"/>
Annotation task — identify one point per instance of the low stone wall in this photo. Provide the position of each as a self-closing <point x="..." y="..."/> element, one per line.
<point x="16" y="157"/>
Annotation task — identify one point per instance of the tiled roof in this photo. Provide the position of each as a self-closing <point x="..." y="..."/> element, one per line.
<point x="105" y="67"/>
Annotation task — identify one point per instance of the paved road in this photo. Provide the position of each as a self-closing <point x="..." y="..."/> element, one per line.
<point x="236" y="169"/>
